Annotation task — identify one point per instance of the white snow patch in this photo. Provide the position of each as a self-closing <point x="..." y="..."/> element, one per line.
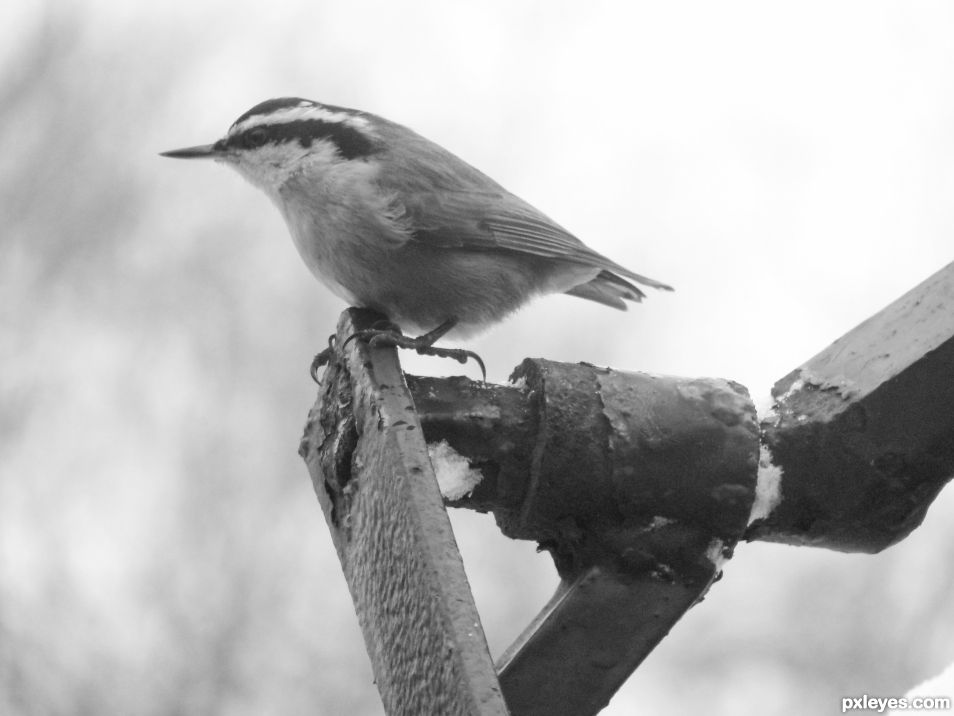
<point x="455" y="476"/>
<point x="715" y="554"/>
<point x="768" y="492"/>
<point x="520" y="383"/>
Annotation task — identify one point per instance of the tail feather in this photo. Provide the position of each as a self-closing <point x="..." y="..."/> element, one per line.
<point x="611" y="290"/>
<point x="645" y="281"/>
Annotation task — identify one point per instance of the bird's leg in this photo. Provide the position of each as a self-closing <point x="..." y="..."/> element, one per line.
<point x="423" y="344"/>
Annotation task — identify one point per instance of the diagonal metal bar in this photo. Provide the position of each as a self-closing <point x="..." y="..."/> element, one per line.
<point x="370" y="469"/>
<point x="595" y="631"/>
<point x="862" y="435"/>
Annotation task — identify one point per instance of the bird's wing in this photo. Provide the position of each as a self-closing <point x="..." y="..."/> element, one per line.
<point x="440" y="200"/>
<point x="497" y="221"/>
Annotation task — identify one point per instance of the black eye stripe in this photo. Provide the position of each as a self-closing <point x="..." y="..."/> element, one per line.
<point x="255" y="137"/>
<point x="350" y="142"/>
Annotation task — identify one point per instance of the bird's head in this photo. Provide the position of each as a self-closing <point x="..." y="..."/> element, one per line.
<point x="279" y="137"/>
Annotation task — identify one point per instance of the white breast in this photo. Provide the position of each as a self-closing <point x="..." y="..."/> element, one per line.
<point x="315" y="250"/>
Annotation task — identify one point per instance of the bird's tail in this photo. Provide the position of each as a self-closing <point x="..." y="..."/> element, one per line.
<point x="611" y="290"/>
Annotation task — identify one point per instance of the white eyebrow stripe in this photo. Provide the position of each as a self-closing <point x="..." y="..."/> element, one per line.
<point x="299" y="112"/>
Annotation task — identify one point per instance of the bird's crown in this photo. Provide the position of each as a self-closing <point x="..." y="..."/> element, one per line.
<point x="293" y="119"/>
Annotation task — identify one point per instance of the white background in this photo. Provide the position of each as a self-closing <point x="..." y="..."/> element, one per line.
<point x="788" y="167"/>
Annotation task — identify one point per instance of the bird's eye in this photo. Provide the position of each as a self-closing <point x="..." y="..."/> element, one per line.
<point x="255" y="138"/>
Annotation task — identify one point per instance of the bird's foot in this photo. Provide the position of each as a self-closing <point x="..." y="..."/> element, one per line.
<point x="322" y="359"/>
<point x="385" y="333"/>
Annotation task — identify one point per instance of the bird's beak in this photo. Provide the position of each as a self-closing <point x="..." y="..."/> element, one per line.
<point x="205" y="151"/>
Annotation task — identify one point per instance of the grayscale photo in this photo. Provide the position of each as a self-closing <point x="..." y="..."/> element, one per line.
<point x="476" y="358"/>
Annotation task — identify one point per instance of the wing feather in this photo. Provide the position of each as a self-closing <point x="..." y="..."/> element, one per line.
<point x="444" y="202"/>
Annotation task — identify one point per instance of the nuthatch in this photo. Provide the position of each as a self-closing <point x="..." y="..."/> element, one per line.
<point x="390" y="221"/>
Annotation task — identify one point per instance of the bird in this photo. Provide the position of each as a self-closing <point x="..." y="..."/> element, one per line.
<point x="391" y="221"/>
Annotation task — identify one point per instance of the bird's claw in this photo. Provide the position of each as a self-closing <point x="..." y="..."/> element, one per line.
<point x="392" y="336"/>
<point x="322" y="359"/>
<point x="459" y="354"/>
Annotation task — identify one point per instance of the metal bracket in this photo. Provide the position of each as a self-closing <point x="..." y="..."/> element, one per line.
<point x="638" y="485"/>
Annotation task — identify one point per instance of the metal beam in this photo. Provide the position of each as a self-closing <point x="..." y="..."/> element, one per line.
<point x="368" y="461"/>
<point x="863" y="433"/>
